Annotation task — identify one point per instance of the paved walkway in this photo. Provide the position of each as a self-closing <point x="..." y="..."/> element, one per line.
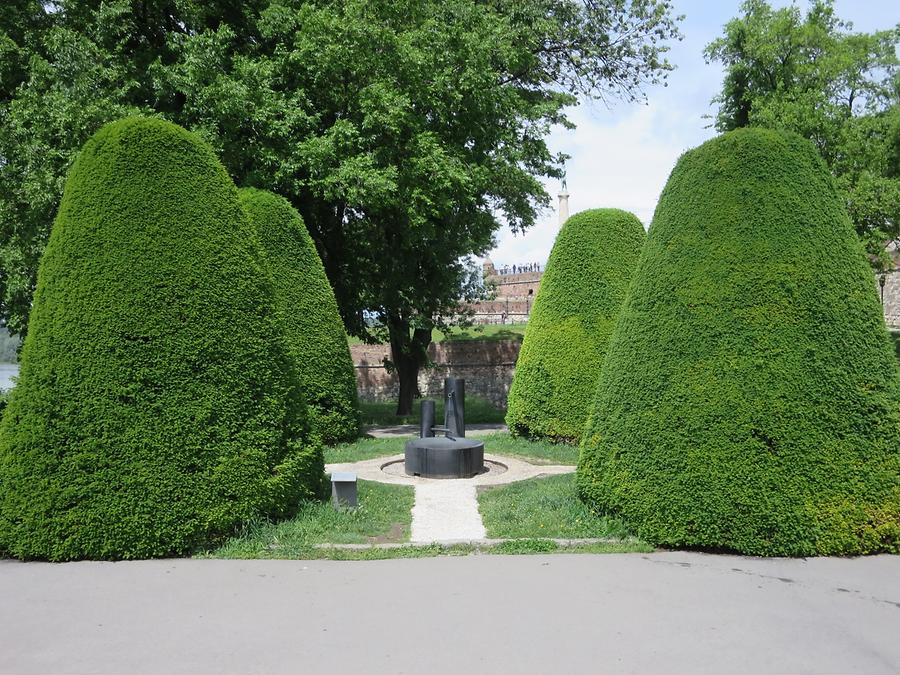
<point x="656" y="613"/>
<point x="446" y="511"/>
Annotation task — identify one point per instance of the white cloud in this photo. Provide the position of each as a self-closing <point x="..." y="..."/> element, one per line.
<point x="620" y="164"/>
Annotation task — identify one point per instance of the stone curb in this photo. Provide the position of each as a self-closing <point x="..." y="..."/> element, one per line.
<point x="516" y="470"/>
<point x="480" y="543"/>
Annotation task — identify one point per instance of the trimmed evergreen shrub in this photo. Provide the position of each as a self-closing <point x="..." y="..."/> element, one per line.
<point x="309" y="314"/>
<point x="750" y="400"/>
<point x="581" y="293"/>
<point x="157" y="406"/>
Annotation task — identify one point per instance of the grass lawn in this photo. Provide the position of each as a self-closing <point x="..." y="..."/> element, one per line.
<point x="529" y="514"/>
<point x="535" y="452"/>
<point x="364" y="448"/>
<point x="478" y="411"/>
<point x="511" y="547"/>
<point x="384" y="515"/>
<point x="543" y="507"/>
<point x="500" y="443"/>
<point x="492" y="331"/>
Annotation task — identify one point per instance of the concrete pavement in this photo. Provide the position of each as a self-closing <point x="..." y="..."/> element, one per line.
<point x="663" y="612"/>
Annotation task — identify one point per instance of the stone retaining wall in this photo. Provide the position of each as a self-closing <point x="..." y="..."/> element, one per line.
<point x="486" y="365"/>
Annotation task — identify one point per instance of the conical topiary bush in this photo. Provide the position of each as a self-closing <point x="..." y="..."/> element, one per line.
<point x="749" y="400"/>
<point x="309" y="314"/>
<point x="581" y="293"/>
<point x="157" y="407"/>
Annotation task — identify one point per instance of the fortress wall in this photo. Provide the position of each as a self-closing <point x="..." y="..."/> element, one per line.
<point x="486" y="365"/>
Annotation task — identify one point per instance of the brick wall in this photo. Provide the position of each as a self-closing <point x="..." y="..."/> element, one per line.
<point x="517" y="285"/>
<point x="486" y="365"/>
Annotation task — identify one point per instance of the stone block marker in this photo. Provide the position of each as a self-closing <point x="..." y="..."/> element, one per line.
<point x="343" y="489"/>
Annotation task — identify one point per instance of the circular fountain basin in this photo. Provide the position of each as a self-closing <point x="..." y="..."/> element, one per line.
<point x="440" y="457"/>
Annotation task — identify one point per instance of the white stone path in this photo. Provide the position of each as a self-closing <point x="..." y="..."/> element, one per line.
<point x="446" y="510"/>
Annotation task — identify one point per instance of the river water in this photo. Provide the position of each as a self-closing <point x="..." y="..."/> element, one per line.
<point x="7" y="372"/>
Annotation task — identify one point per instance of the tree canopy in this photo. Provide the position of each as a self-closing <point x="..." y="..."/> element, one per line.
<point x="406" y="133"/>
<point x="840" y="89"/>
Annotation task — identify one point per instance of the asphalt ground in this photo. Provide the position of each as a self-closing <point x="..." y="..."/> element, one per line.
<point x="636" y="613"/>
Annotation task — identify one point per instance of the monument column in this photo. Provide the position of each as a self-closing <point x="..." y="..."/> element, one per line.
<point x="563" y="203"/>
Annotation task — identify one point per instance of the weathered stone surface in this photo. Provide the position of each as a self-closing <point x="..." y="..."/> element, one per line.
<point x="486" y="365"/>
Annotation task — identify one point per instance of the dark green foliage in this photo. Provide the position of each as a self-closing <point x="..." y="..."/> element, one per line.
<point x="749" y="400"/>
<point x="157" y="407"/>
<point x="581" y="293"/>
<point x="309" y="314"/>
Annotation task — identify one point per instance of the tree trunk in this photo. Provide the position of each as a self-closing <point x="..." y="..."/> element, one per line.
<point x="408" y="375"/>
<point x="409" y="354"/>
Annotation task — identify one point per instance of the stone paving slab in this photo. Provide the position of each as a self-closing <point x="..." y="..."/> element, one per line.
<point x="446" y="511"/>
<point x="478" y="543"/>
<point x="516" y="470"/>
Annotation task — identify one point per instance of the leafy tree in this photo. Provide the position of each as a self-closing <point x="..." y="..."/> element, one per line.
<point x="404" y="132"/>
<point x="811" y="74"/>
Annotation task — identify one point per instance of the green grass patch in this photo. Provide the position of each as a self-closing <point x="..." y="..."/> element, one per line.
<point x="490" y="332"/>
<point x="500" y="443"/>
<point x="362" y="449"/>
<point x="512" y="547"/>
<point x="478" y="411"/>
<point x="384" y="515"/>
<point x="533" y="451"/>
<point x="543" y="508"/>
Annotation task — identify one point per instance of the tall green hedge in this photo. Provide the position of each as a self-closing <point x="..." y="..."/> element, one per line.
<point x="157" y="406"/>
<point x="581" y="293"/>
<point x="309" y="313"/>
<point x="750" y="400"/>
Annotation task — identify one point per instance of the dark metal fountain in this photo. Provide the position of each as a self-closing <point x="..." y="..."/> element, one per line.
<point x="451" y="455"/>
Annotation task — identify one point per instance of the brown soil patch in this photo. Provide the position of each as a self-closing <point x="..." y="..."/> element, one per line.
<point x="394" y="535"/>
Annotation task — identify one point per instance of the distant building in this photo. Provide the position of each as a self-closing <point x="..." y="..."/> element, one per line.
<point x="515" y="287"/>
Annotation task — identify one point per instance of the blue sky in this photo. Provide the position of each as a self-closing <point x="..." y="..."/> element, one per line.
<point x="621" y="156"/>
